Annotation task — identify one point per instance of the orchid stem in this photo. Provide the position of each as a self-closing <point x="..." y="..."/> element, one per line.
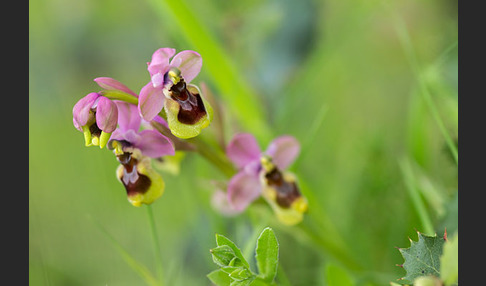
<point x="218" y="159"/>
<point x="158" y="256"/>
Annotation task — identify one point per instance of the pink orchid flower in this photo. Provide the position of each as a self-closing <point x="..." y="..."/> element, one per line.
<point x="262" y="173"/>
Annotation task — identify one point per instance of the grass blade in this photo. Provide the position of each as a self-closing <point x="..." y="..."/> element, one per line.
<point x="136" y="266"/>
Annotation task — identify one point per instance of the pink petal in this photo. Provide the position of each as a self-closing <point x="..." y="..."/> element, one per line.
<point x="82" y="107"/>
<point x="283" y="151"/>
<point x="243" y="149"/>
<point x="160" y="60"/>
<point x="189" y="63"/>
<point x="112" y="84"/>
<point x="106" y="115"/>
<point x="219" y="201"/>
<point x="75" y="123"/>
<point x="243" y="189"/>
<point x="157" y="79"/>
<point x="161" y="120"/>
<point x="129" y="135"/>
<point x="150" y="102"/>
<point x="153" y="144"/>
<point x="128" y="116"/>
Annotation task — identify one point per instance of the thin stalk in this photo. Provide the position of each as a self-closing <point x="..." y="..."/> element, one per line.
<point x="415" y="196"/>
<point x="155" y="237"/>
<point x="213" y="155"/>
<point x="406" y="42"/>
<point x="328" y="246"/>
<point x="139" y="268"/>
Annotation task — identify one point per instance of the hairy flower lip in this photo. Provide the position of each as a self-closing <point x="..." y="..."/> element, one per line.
<point x="253" y="164"/>
<point x="142" y="184"/>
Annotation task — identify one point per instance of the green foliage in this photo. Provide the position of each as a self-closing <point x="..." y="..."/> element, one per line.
<point x="422" y="257"/>
<point x="235" y="270"/>
<point x="449" y="261"/>
<point x="221" y="240"/>
<point x="267" y="254"/>
<point x="224" y="256"/>
<point x="432" y="260"/>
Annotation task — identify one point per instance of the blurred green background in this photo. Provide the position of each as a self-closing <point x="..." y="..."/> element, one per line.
<point x="369" y="88"/>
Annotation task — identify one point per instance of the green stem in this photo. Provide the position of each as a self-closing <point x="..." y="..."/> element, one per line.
<point x="329" y="246"/>
<point x="406" y="42"/>
<point x="414" y="194"/>
<point x="119" y="95"/>
<point x="155" y="237"/>
<point x="213" y="155"/>
<point x="139" y="268"/>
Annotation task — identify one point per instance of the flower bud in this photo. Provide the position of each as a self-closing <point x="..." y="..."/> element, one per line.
<point x="96" y="116"/>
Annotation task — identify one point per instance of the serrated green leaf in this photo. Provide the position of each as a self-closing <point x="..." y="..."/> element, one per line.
<point x="219" y="278"/>
<point x="223" y="255"/>
<point x="422" y="257"/>
<point x="449" y="261"/>
<point x="267" y="255"/>
<point x="222" y="240"/>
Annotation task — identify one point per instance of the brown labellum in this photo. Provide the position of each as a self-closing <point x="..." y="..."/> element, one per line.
<point x="191" y="105"/>
<point x="133" y="181"/>
<point x="287" y="192"/>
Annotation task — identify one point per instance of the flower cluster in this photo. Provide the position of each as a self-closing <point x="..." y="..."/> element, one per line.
<point x="121" y="119"/>
<point x="151" y="127"/>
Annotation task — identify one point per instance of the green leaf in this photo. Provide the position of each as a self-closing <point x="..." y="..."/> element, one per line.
<point x="267" y="255"/>
<point x="223" y="255"/>
<point x="422" y="257"/>
<point x="222" y="240"/>
<point x="219" y="278"/>
<point x="229" y="269"/>
<point x="449" y="261"/>
<point x="240" y="274"/>
<point x="245" y="282"/>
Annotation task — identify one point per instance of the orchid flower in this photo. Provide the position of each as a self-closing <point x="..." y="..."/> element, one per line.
<point x="95" y="115"/>
<point x="134" y="148"/>
<point x="170" y="89"/>
<point x="262" y="174"/>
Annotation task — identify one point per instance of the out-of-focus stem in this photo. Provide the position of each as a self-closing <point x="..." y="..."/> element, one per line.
<point x="213" y="155"/>
<point x="158" y="255"/>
